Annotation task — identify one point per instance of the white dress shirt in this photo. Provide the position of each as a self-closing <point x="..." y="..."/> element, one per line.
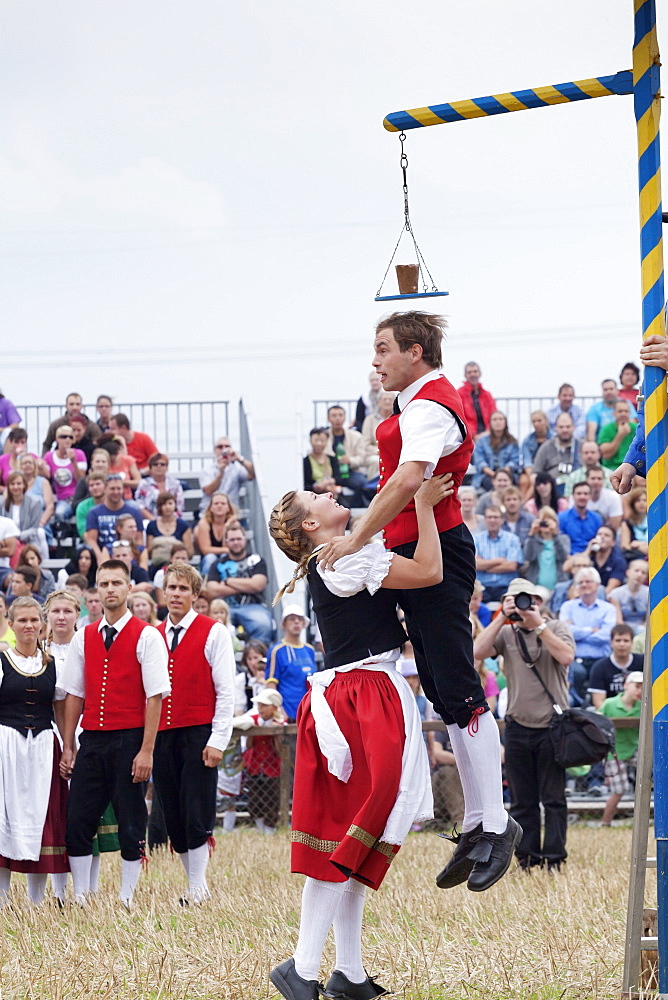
<point x="219" y="654"/>
<point x="151" y="653"/>
<point x="429" y="431"/>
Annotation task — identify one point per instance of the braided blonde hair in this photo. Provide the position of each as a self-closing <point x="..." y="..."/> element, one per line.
<point x="285" y="527"/>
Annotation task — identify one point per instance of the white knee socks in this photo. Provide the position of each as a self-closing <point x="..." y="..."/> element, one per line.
<point x="184" y="860"/>
<point x="198" y="859"/>
<point x="36" y="888"/>
<point x="320" y="901"/>
<point x="80" y="868"/>
<point x="129" y="877"/>
<point x="5" y="878"/>
<point x="59" y="885"/>
<point x="95" y="874"/>
<point x="348" y="932"/>
<point x="478" y="757"/>
<point x="229" y="820"/>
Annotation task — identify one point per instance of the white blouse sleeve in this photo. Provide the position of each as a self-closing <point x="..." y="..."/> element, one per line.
<point x="366" y="568"/>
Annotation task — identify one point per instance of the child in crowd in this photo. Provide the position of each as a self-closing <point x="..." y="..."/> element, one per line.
<point x="219" y="610"/>
<point x="254" y="662"/>
<point x="290" y="662"/>
<point x="620" y="773"/>
<point x="262" y="760"/>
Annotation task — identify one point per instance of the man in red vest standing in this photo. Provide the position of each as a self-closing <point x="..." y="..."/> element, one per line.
<point x="427" y="435"/>
<point x="195" y="724"/>
<point x="116" y="674"/>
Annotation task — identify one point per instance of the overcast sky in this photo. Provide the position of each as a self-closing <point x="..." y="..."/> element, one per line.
<point x="199" y="201"/>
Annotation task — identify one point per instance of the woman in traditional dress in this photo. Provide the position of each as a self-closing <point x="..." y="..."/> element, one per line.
<point x="33" y="795"/>
<point x="361" y="773"/>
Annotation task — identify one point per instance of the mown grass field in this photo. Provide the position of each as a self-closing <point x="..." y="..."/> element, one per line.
<point x="534" y="937"/>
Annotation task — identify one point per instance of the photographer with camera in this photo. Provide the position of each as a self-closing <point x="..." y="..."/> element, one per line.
<point x="227" y="474"/>
<point x="531" y="644"/>
<point x="546" y="550"/>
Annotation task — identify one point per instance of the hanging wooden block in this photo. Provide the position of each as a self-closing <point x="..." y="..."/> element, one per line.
<point x="408" y="276"/>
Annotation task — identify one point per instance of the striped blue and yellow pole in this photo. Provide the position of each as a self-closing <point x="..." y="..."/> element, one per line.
<point x="518" y="100"/>
<point x="647" y="106"/>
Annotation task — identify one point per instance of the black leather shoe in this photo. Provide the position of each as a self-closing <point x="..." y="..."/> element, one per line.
<point x="460" y="866"/>
<point x="493" y="853"/>
<point x="339" y="987"/>
<point x="290" y="985"/>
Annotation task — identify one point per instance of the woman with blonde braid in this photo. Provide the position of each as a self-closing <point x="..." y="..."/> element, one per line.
<point x="33" y="796"/>
<point x="361" y="773"/>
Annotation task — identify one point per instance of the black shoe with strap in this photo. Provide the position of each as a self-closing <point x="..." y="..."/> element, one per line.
<point x="460" y="865"/>
<point x="292" y="986"/>
<point x="492" y="854"/>
<point x="339" y="987"/>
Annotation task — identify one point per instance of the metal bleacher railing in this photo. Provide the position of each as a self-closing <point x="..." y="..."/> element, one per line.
<point x="518" y="410"/>
<point x="185" y="430"/>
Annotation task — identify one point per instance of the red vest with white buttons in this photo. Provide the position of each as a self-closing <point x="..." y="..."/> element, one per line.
<point x="193" y="698"/>
<point x="403" y="528"/>
<point x="115" y="696"/>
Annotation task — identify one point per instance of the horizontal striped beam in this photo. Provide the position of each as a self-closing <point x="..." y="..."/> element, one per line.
<point x="519" y="100"/>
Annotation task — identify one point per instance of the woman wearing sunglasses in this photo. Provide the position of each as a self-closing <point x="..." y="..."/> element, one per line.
<point x="67" y="465"/>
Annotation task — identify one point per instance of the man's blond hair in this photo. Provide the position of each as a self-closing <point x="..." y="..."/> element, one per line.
<point x="184" y="571"/>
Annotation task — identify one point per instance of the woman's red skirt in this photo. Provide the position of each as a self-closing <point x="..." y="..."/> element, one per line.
<point x="336" y="825"/>
<point x="53" y="857"/>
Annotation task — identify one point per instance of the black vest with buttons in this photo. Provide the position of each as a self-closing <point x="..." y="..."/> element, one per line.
<point x="26" y="700"/>
<point x="354" y="628"/>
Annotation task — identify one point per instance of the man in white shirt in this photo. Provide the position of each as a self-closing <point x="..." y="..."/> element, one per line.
<point x="227" y="475"/>
<point x="607" y="503"/>
<point x="195" y="723"/>
<point x="116" y="674"/>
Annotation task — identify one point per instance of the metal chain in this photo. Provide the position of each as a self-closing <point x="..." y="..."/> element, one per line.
<point x="407" y="227"/>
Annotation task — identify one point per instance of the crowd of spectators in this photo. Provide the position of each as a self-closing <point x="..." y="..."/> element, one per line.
<point x="100" y="488"/>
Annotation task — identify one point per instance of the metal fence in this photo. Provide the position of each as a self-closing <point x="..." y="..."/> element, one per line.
<point x="518" y="410"/>
<point x="186" y="431"/>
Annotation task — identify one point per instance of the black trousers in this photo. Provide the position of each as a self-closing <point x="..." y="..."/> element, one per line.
<point x="102" y="774"/>
<point x="437" y="619"/>
<point x="535" y="777"/>
<point x="185" y="787"/>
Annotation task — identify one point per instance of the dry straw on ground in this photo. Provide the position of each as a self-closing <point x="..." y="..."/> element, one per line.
<point x="536" y="937"/>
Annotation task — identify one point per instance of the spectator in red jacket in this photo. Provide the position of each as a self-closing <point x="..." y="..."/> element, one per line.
<point x="479" y="404"/>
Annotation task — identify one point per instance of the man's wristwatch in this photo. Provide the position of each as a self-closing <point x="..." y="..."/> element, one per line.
<point x="540" y="629"/>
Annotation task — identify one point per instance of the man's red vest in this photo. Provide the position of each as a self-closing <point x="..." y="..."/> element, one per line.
<point x="403" y="528"/>
<point x="115" y="696"/>
<point x="193" y="698"/>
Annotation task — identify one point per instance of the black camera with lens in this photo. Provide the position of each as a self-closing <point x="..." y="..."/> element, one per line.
<point x="523" y="602"/>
